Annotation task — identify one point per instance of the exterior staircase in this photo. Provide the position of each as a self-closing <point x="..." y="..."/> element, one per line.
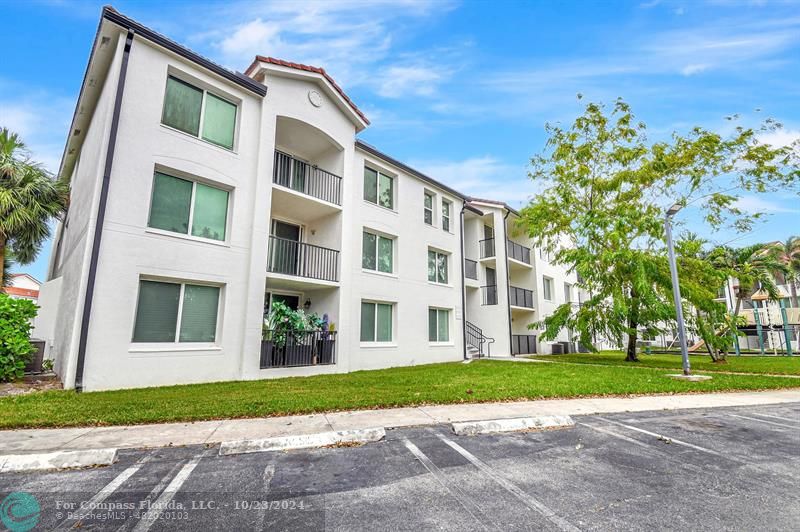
<point x="478" y="344"/>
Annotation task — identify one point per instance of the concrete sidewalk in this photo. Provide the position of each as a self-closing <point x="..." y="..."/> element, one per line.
<point x="208" y="432"/>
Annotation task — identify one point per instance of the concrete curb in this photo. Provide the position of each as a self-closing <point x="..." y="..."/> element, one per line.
<point x="11" y="463"/>
<point x="471" y="428"/>
<point x="304" y="441"/>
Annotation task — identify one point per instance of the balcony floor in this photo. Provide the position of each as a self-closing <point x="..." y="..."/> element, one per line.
<point x="293" y="205"/>
<point x="293" y="282"/>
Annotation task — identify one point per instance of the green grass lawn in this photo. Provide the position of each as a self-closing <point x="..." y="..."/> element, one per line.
<point x="479" y="381"/>
<point x="745" y="364"/>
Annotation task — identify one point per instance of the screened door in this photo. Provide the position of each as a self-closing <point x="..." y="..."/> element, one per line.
<point x="285" y="248"/>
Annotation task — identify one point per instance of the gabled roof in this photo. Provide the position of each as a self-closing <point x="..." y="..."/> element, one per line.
<point x="495" y="202"/>
<point x="307" y="68"/>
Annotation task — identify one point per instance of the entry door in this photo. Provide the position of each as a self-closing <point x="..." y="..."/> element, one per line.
<point x="285" y="250"/>
<point x="488" y="231"/>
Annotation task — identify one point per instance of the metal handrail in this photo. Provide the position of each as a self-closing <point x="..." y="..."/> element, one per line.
<point x="477" y="339"/>
<point x="290" y="257"/>
<point x="520" y="297"/>
<point x="486" y="248"/>
<point x="311" y="180"/>
<point x="518" y="252"/>
<point x="285" y="349"/>
<point x="470" y="269"/>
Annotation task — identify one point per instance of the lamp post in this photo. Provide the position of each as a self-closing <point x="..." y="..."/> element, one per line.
<point x="676" y="289"/>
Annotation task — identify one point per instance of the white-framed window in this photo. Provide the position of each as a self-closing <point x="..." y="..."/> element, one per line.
<point x="377" y="252"/>
<point x="428" y="202"/>
<point x="547" y="288"/>
<point x="567" y="293"/>
<point x="199" y="113"/>
<point x="446" y="208"/>
<point x="176" y="312"/>
<point x="437" y="267"/>
<point x="438" y="325"/>
<point x="376" y="321"/>
<point x="188" y="207"/>
<point x="378" y="188"/>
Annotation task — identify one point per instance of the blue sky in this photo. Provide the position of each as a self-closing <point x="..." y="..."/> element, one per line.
<point x="460" y="90"/>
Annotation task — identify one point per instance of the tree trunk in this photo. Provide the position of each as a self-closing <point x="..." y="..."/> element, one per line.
<point x="4" y="273"/>
<point x="793" y="289"/>
<point x="633" y="328"/>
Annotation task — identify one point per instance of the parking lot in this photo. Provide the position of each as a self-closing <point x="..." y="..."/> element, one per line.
<point x="716" y="469"/>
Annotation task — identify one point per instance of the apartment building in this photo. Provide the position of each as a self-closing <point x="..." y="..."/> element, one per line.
<point x="200" y="197"/>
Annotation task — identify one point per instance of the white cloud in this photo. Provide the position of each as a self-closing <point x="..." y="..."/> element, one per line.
<point x="351" y="39"/>
<point x="756" y="204"/>
<point x="413" y="80"/>
<point x="780" y="137"/>
<point x="688" y="70"/>
<point x="41" y="120"/>
<point x="483" y="177"/>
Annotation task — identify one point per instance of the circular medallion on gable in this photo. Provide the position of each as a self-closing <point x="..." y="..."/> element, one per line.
<point x="315" y="98"/>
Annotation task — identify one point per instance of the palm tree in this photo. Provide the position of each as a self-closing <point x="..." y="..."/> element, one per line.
<point x="788" y="252"/>
<point x="29" y="199"/>
<point x="753" y="266"/>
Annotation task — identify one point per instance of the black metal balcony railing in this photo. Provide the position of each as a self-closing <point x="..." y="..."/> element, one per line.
<point x="282" y="349"/>
<point x="486" y="248"/>
<point x="306" y="178"/>
<point x="519" y="252"/>
<point x="489" y="295"/>
<point x="523" y="344"/>
<point x="470" y="269"/>
<point x="520" y="297"/>
<point x="302" y="260"/>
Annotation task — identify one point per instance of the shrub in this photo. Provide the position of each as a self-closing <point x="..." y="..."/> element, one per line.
<point x="15" y="336"/>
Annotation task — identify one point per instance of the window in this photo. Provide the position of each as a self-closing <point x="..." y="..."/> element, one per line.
<point x="437" y="267"/>
<point x="446" y="215"/>
<point x="199" y="113"/>
<point x="377" y="253"/>
<point x="187" y="207"/>
<point x="547" y="288"/>
<point x="378" y="188"/>
<point x="175" y="312"/>
<point x="438" y="325"/>
<point x="428" y="208"/>
<point x="376" y="322"/>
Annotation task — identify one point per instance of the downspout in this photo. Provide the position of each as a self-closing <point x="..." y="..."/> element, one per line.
<point x="101" y="214"/>
<point x="508" y="283"/>
<point x="463" y="287"/>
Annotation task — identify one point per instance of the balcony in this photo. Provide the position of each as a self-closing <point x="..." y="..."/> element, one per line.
<point x="523" y="344"/>
<point x="298" y="259"/>
<point x="520" y="297"/>
<point x="307" y="179"/>
<point x="519" y="253"/>
<point x="489" y="295"/>
<point x="470" y="269"/>
<point x="486" y="248"/>
<point x="281" y="349"/>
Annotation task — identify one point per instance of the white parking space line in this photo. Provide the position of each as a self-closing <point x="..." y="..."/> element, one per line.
<point x="512" y="488"/>
<point x="269" y="474"/>
<point x="766" y="421"/>
<point x="169" y="492"/>
<point x="463" y="499"/>
<point x="796" y="420"/>
<point x="155" y="491"/>
<point x="103" y="494"/>
<point x="616" y="435"/>
<point x="668" y="439"/>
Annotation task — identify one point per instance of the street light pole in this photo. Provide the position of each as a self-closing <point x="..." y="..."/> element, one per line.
<point x="676" y="289"/>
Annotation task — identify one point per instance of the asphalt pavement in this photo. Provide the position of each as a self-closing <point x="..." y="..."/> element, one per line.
<point x="712" y="469"/>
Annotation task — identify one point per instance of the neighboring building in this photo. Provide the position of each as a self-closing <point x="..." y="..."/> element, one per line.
<point x="23" y="286"/>
<point x="202" y="196"/>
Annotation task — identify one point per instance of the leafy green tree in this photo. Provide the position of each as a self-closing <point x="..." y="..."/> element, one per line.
<point x="29" y="199"/>
<point x="788" y="252"/>
<point x="601" y="213"/>
<point x="753" y="266"/>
